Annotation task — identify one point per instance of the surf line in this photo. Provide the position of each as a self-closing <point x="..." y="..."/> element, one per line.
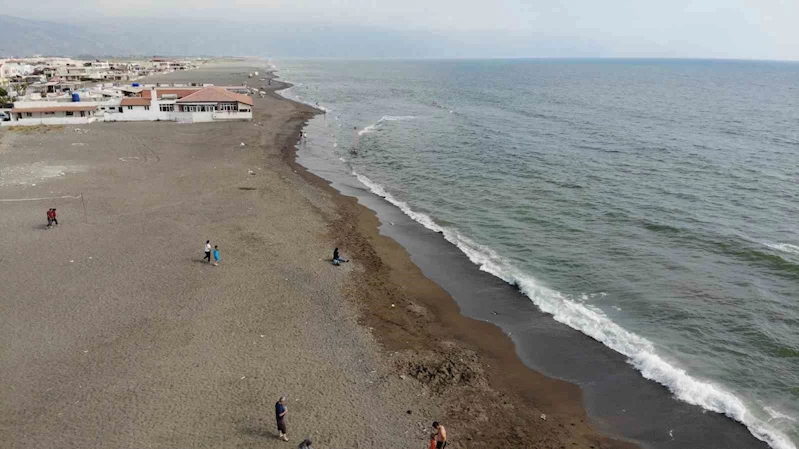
<point x="9" y="200"/>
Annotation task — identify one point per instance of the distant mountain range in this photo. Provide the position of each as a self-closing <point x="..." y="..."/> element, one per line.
<point x="23" y="37"/>
<point x="153" y="36"/>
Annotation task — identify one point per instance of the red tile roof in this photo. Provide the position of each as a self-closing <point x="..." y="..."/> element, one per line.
<point x="133" y="101"/>
<point x="179" y="92"/>
<point x="213" y="94"/>
<point x="70" y="108"/>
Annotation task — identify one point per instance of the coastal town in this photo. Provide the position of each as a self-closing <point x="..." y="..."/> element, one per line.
<point x="65" y="91"/>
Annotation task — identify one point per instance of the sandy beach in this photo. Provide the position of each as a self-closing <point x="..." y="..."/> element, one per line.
<point x="116" y="333"/>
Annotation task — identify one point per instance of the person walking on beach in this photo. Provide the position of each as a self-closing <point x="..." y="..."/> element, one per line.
<point x="337" y="260"/>
<point x="207" y="251"/>
<point x="440" y="435"/>
<point x="280" y="416"/>
<point x="216" y="255"/>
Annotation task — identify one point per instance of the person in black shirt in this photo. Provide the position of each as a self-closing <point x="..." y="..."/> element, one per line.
<point x="336" y="258"/>
<point x="280" y="416"/>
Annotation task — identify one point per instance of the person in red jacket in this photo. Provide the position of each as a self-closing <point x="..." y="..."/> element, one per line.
<point x="51" y="218"/>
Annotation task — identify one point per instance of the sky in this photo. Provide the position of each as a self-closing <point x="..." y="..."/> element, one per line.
<point x="745" y="29"/>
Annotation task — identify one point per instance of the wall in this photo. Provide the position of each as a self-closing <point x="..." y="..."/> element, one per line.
<point x="137" y="114"/>
<point x="225" y="115"/>
<point x="50" y="121"/>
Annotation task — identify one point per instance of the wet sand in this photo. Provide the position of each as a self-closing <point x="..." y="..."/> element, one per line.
<point x="116" y="333"/>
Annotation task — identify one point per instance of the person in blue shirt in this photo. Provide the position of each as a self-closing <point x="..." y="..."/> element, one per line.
<point x="280" y="416"/>
<point x="216" y="255"/>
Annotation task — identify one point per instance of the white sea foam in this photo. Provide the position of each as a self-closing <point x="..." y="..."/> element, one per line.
<point x="778" y="415"/>
<point x="385" y="118"/>
<point x="593" y="322"/>
<point x="784" y="247"/>
<point x="291" y="94"/>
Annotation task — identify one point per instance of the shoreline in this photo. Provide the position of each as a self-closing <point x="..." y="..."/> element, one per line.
<point x="534" y="404"/>
<point x="619" y="399"/>
<point x="141" y="345"/>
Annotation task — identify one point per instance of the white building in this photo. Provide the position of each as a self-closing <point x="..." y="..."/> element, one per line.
<point x="180" y="104"/>
<point x="52" y="113"/>
<point x="11" y="69"/>
<point x="186" y="105"/>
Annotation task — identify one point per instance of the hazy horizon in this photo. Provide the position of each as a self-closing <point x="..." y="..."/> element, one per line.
<point x="682" y="29"/>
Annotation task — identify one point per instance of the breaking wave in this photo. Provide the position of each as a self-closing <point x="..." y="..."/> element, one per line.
<point x="386" y="118"/>
<point x="784" y="247"/>
<point x="639" y="351"/>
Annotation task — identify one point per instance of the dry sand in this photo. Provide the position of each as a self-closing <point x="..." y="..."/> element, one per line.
<point x="116" y="334"/>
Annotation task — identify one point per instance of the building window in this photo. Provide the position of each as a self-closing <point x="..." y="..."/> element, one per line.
<point x="146" y="108"/>
<point x="28" y="114"/>
<point x="130" y="108"/>
<point x="167" y="107"/>
<point x="70" y="113"/>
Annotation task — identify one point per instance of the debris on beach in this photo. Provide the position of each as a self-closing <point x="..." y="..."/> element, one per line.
<point x="440" y="374"/>
<point x="544" y="417"/>
<point x="80" y="130"/>
<point x="250" y="172"/>
<point x="242" y="144"/>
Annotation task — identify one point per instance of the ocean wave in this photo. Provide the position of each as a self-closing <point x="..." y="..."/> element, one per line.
<point x="386" y="118"/>
<point x="777" y="415"/>
<point x="784" y="247"/>
<point x="290" y="93"/>
<point x="593" y="322"/>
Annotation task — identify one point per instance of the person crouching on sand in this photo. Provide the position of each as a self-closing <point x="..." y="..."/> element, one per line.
<point x="336" y="258"/>
<point x="280" y="416"/>
<point x="440" y="435"/>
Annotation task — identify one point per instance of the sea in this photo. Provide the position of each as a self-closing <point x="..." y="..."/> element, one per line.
<point x="650" y="205"/>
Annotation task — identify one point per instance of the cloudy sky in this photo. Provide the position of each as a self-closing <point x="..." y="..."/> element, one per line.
<point x="749" y="29"/>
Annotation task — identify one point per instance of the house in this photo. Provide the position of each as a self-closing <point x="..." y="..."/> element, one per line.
<point x="52" y="113"/>
<point x="11" y="69"/>
<point x="182" y="104"/>
<point x="218" y="100"/>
